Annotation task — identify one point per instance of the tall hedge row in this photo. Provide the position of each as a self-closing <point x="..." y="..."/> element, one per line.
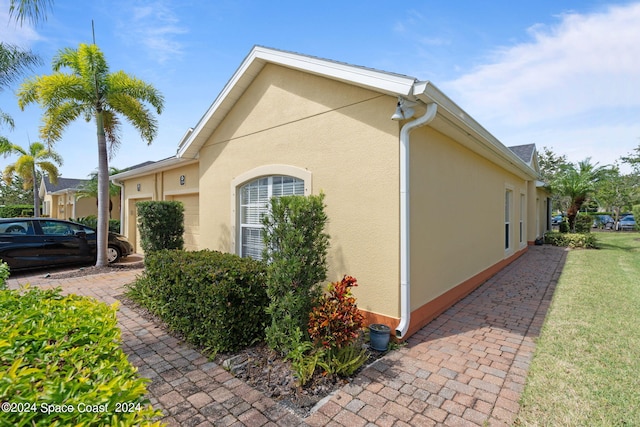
<point x="216" y="300"/>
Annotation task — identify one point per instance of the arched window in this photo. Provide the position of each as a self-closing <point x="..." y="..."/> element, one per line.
<point x="254" y="204"/>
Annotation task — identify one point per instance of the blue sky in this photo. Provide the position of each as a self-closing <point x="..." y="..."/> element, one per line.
<point x="558" y="73"/>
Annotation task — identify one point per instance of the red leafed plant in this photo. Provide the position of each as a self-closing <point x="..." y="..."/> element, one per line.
<point x="335" y="320"/>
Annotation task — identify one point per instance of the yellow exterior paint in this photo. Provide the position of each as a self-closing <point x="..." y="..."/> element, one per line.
<point x="342" y="135"/>
<point x="179" y="183"/>
<point x="339" y="139"/>
<point x="67" y="206"/>
<point x="457" y="202"/>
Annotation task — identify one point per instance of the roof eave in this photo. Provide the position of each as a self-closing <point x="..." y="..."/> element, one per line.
<point x="455" y="122"/>
<point x="162" y="165"/>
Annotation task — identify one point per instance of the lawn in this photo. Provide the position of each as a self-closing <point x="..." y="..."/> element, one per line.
<point x="586" y="368"/>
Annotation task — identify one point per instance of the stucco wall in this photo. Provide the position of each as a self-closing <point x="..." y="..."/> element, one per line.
<point x="457" y="214"/>
<point x="344" y="137"/>
<point x="162" y="185"/>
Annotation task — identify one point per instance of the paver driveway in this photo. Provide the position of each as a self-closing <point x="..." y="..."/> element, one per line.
<point x="465" y="368"/>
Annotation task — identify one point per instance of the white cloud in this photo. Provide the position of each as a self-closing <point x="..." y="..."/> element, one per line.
<point x="155" y="27"/>
<point x="12" y="33"/>
<point x="577" y="79"/>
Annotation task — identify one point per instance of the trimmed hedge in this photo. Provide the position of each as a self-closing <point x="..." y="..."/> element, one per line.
<point x="216" y="300"/>
<point x="161" y="225"/>
<point x="92" y="221"/>
<point x="571" y="240"/>
<point x="61" y="364"/>
<point x="13" y="211"/>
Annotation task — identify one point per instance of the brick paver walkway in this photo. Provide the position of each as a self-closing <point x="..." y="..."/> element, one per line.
<point x="465" y="368"/>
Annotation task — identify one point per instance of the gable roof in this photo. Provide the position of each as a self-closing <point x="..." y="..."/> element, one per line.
<point x="450" y="120"/>
<point x="63" y="184"/>
<point x="380" y="81"/>
<point x="528" y="154"/>
<point x="525" y="152"/>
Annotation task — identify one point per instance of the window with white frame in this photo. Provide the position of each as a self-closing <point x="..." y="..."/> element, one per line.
<point x="254" y="204"/>
<point x="507" y="219"/>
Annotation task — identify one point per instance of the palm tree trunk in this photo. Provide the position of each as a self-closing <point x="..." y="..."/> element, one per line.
<point x="36" y="199"/>
<point x="103" y="194"/>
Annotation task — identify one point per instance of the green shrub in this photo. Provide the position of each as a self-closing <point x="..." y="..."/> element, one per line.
<point x="636" y="214"/>
<point x="65" y="350"/>
<point x="4" y="274"/>
<point x="584" y="222"/>
<point x="296" y="250"/>
<point x="215" y="300"/>
<point x="563" y="227"/>
<point x="161" y="225"/>
<point x="92" y="221"/>
<point x="13" y="211"/>
<point x="571" y="240"/>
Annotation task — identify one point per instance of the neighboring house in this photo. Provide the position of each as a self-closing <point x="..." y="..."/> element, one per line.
<point x="61" y="200"/>
<point x="424" y="204"/>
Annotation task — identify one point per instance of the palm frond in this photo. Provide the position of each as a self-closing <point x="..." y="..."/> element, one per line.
<point x="14" y="63"/>
<point x="32" y="10"/>
<point x="6" y="119"/>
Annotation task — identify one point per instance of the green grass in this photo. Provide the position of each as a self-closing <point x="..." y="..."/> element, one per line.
<point x="586" y="368"/>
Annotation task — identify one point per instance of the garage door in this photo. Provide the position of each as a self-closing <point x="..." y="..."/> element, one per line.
<point x="191" y="204"/>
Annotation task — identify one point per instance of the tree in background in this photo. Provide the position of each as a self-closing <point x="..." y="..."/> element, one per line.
<point x="633" y="160"/>
<point x="616" y="192"/>
<point x="36" y="157"/>
<point x="91" y="91"/>
<point x="577" y="183"/>
<point x="13" y="193"/>
<point x="550" y="166"/>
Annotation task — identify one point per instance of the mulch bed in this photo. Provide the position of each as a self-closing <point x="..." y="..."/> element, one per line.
<point x="258" y="366"/>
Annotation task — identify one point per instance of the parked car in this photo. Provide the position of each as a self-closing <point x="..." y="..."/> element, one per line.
<point x="627" y="223"/>
<point x="556" y="220"/>
<point x="604" y="221"/>
<point x="45" y="242"/>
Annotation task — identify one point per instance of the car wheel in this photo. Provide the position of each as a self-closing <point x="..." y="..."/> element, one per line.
<point x="113" y="254"/>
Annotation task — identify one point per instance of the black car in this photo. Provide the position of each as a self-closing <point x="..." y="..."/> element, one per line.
<point x="45" y="242"/>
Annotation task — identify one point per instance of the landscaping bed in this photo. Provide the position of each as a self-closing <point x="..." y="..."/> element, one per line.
<point x="266" y="371"/>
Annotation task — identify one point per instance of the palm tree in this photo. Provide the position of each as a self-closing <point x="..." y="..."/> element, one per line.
<point x="577" y="183"/>
<point x="33" y="10"/>
<point x="90" y="188"/>
<point x="14" y="62"/>
<point x="92" y="92"/>
<point x="27" y="165"/>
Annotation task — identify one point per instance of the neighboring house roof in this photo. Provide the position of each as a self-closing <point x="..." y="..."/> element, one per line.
<point x="451" y="119"/>
<point x="525" y="152"/>
<point x="62" y="185"/>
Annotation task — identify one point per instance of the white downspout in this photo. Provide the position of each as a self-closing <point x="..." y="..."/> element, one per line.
<point x="405" y="247"/>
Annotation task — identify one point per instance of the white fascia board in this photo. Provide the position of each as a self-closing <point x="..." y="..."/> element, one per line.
<point x="392" y="84"/>
<point x="162" y="165"/>
<point x="389" y="83"/>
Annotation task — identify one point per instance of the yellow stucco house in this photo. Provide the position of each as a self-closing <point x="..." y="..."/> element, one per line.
<point x="61" y="200"/>
<point x="423" y="203"/>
